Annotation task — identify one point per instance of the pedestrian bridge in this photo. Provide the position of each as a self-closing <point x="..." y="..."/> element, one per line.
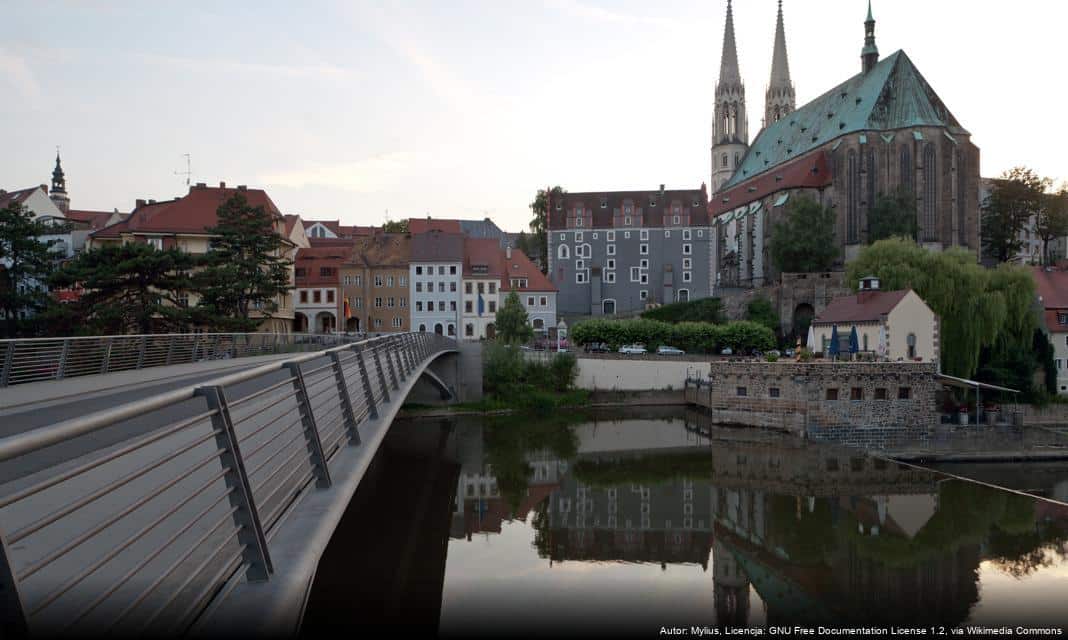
<point x="212" y="514"/>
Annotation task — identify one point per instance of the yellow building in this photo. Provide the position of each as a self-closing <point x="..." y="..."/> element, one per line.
<point x="890" y="325"/>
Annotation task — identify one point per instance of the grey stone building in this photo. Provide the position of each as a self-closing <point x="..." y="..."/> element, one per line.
<point x="621" y="251"/>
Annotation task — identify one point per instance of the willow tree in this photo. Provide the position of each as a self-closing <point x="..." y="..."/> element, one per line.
<point x="976" y="306"/>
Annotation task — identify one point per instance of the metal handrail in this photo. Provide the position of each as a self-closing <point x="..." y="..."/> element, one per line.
<point x="158" y="506"/>
<point x="38" y="359"/>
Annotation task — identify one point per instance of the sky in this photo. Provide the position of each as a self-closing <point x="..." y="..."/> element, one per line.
<point x="362" y="110"/>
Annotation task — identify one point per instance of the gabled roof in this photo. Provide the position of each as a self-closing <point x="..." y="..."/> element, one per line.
<point x="483" y="252"/>
<point x="866" y="306"/>
<point x="192" y="214"/>
<point x="95" y="219"/>
<point x="811" y="171"/>
<point x="437" y="246"/>
<point x="520" y="266"/>
<point x="422" y="225"/>
<point x="893" y="95"/>
<point x="19" y="196"/>
<point x="1052" y="287"/>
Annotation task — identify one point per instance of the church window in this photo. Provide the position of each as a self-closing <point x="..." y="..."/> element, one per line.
<point x="724" y="160"/>
<point x="736" y="158"/>
<point x="906" y="169"/>
<point x="872" y="172"/>
<point x="962" y="201"/>
<point x="853" y="210"/>
<point x="930" y="193"/>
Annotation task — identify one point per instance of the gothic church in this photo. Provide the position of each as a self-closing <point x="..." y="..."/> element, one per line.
<point x="882" y="130"/>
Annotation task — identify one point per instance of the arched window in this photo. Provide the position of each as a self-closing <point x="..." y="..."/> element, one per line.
<point x="930" y="194"/>
<point x="853" y="208"/>
<point x="563" y="252"/>
<point x="905" y="179"/>
<point x="422" y="328"/>
<point x="736" y="158"/>
<point x="910" y="341"/>
<point x="724" y="160"/>
<point x="452" y="329"/>
<point x="872" y="172"/>
<point x="962" y="201"/>
<point x="608" y="307"/>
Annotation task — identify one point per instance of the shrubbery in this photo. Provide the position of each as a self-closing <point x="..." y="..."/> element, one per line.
<point x="694" y="337"/>
<point x="510" y="377"/>
<point x="702" y="310"/>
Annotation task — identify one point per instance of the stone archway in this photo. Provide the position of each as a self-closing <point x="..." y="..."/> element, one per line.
<point x="438" y="329"/>
<point x="803" y="314"/>
<point x="300" y="323"/>
<point x="325" y="322"/>
<point x="352" y="325"/>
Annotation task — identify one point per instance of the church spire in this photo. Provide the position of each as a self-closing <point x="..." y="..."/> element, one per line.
<point x="869" y="55"/>
<point x="730" y="131"/>
<point x="728" y="62"/>
<point x="58" y="193"/>
<point x="779" y="99"/>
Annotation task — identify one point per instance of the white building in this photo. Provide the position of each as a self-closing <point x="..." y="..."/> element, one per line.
<point x="436" y="279"/>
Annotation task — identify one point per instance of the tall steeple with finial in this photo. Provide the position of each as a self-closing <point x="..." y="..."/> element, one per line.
<point x="869" y="55"/>
<point x="58" y="193"/>
<point x="730" y="131"/>
<point x="779" y="99"/>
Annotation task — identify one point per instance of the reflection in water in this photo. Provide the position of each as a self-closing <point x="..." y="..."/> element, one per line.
<point x="595" y="524"/>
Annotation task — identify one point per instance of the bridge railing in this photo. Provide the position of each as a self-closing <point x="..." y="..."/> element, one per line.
<point x="140" y="537"/>
<point x="37" y="359"/>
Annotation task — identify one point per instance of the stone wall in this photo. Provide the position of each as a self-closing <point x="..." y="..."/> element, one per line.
<point x="808" y="397"/>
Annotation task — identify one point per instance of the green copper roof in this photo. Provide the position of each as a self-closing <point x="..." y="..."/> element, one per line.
<point x="893" y="95"/>
<point x="870" y="18"/>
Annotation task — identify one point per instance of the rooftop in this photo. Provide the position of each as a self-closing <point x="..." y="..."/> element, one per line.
<point x="866" y="306"/>
<point x="520" y="266"/>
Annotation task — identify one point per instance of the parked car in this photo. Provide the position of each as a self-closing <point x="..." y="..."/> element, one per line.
<point x="774" y="353"/>
<point x="597" y="347"/>
<point x="664" y="350"/>
<point x="727" y="351"/>
<point x="632" y="349"/>
<point x="789" y="353"/>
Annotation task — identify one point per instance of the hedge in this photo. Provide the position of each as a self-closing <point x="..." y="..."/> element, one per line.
<point x="703" y="310"/>
<point x="693" y="337"/>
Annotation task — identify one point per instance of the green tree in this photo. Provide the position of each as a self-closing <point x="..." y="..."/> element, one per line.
<point x="761" y="311"/>
<point x="522" y="242"/>
<point x="539" y="224"/>
<point x="1013" y="199"/>
<point x="512" y="325"/>
<point x="976" y="306"/>
<point x="26" y="260"/>
<point x="130" y="287"/>
<point x="395" y="226"/>
<point x="700" y="310"/>
<point x="245" y="270"/>
<point x="804" y="241"/>
<point x="894" y="214"/>
<point x="1051" y="221"/>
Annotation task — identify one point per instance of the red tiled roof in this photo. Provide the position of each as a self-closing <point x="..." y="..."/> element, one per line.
<point x="809" y="171"/>
<point x="193" y="213"/>
<point x="520" y="266"/>
<point x="314" y="258"/>
<point x="7" y="197"/>
<point x="483" y="251"/>
<point x="95" y="219"/>
<point x="1052" y="287"/>
<point x="422" y="225"/>
<point x="866" y="306"/>
<point x="291" y="222"/>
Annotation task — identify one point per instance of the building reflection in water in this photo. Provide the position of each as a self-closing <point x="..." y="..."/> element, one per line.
<point x="807" y="533"/>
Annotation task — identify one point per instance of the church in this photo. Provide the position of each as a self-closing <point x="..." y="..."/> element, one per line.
<point x="882" y="130"/>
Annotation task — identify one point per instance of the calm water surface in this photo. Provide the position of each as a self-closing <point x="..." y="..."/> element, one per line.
<point x="608" y="525"/>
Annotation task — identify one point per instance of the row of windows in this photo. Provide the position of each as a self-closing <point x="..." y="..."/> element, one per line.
<point x="430" y="287"/>
<point x="396" y="323"/>
<point x="389" y="302"/>
<point x="430" y="270"/>
<point x="469" y="289"/>
<point x="430" y="305"/>
<point x="325" y="272"/>
<point x="563" y="252"/>
<point x="855" y="393"/>
<point x="438" y="328"/>
<point x="469" y="306"/>
<point x="317" y="296"/>
<point x="643" y="234"/>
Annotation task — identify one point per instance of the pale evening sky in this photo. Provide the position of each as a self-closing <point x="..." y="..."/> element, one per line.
<point x="464" y="109"/>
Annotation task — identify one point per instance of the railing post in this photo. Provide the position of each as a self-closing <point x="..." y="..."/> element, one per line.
<point x="5" y="370"/>
<point x="311" y="430"/>
<point x="106" y="360"/>
<point x="398" y="350"/>
<point x="389" y="362"/>
<point x="409" y="344"/>
<point x="346" y="400"/>
<point x="381" y="375"/>
<point x="12" y="611"/>
<point x="170" y="349"/>
<point x="215" y="347"/>
<point x="61" y="371"/>
<point x="372" y="408"/>
<point x="193" y="351"/>
<point x="246" y="517"/>
<point x="141" y="352"/>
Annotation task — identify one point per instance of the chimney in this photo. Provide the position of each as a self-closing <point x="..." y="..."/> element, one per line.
<point x="508" y="252"/>
<point x="222" y="185"/>
<point x="151" y="201"/>
<point x="45" y="187"/>
<point x="202" y="185"/>
<point x="661" y="189"/>
<point x="139" y="203"/>
<point x="242" y="187"/>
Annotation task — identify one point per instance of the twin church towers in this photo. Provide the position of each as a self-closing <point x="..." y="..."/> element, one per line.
<point x="730" y="134"/>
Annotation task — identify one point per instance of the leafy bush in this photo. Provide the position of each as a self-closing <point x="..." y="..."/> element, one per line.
<point x="508" y="375"/>
<point x="694" y="337"/>
<point x="771" y="357"/>
<point x="703" y="310"/>
<point x="761" y="311"/>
